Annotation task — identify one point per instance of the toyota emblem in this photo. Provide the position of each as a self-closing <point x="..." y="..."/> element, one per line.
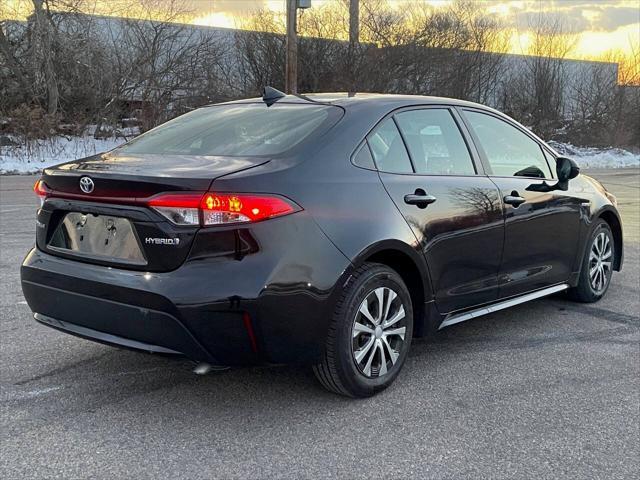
<point x="86" y="184"/>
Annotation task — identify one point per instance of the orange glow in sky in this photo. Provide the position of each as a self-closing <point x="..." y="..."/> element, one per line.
<point x="596" y="33"/>
<point x="220" y="19"/>
<point x="600" y="26"/>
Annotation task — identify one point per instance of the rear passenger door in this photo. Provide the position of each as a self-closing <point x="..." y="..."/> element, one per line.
<point x="541" y="228"/>
<point x="455" y="212"/>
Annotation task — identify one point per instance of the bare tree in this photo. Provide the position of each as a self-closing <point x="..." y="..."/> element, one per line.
<point x="535" y="92"/>
<point x="457" y="51"/>
<point x="479" y="67"/>
<point x="14" y="69"/>
<point x="161" y="65"/>
<point x="260" y="53"/>
<point x="623" y="118"/>
<point x="83" y="68"/>
<point x="43" y="52"/>
<point x="592" y="101"/>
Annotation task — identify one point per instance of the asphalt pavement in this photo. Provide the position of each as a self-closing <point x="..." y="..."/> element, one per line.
<point x="543" y="390"/>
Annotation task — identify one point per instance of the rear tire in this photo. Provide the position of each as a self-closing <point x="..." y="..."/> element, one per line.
<point x="369" y="335"/>
<point x="597" y="265"/>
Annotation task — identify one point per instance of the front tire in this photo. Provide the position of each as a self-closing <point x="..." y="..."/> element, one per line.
<point x="597" y="265"/>
<point x="369" y="335"/>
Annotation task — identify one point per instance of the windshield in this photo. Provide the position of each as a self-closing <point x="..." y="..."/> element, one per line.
<point x="235" y="130"/>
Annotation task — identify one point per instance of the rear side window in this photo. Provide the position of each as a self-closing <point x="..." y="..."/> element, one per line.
<point x="510" y="152"/>
<point x="388" y="149"/>
<point x="363" y="157"/>
<point x="435" y="142"/>
<point x="236" y="130"/>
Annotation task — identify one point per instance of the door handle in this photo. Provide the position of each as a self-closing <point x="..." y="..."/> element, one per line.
<point x="421" y="200"/>
<point x="514" y="199"/>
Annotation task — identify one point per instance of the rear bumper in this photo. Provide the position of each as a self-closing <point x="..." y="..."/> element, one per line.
<point x="116" y="315"/>
<point x="271" y="306"/>
<point x="101" y="337"/>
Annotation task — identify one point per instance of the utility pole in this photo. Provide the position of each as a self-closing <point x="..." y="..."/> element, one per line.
<point x="291" y="63"/>
<point x="354" y="39"/>
<point x="354" y="23"/>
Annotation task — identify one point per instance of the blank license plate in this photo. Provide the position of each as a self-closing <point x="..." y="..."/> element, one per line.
<point x="98" y="236"/>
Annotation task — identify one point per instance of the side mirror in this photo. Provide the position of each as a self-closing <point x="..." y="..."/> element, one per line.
<point x="566" y="169"/>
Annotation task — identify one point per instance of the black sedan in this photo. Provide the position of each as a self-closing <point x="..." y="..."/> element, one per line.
<point x="326" y="230"/>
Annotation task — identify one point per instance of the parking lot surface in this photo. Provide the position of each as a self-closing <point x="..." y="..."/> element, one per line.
<point x="546" y="389"/>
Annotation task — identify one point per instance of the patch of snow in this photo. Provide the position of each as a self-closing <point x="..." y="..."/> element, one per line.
<point x="129" y="132"/>
<point x="33" y="156"/>
<point x="591" y="157"/>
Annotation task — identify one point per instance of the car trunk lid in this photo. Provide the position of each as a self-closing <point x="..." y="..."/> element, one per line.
<point x="110" y="223"/>
<point x="141" y="176"/>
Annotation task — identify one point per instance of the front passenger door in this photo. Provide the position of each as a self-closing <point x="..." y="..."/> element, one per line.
<point x="541" y="228"/>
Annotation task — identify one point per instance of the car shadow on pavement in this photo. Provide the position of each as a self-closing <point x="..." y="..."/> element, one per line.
<point x="95" y="377"/>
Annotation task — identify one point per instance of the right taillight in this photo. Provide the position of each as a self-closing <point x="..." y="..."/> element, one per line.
<point x="220" y="208"/>
<point x="223" y="208"/>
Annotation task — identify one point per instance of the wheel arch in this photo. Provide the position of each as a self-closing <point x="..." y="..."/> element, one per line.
<point x="411" y="267"/>
<point x="612" y="218"/>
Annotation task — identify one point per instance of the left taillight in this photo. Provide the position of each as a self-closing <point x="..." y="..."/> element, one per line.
<point x="208" y="209"/>
<point x="41" y="190"/>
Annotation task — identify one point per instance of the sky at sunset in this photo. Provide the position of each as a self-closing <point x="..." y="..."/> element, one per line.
<point x="600" y="26"/>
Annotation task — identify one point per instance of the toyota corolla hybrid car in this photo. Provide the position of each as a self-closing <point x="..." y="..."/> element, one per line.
<point x="327" y="230"/>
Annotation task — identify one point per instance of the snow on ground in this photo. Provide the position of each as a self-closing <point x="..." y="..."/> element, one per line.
<point x="590" y="157"/>
<point x="36" y="155"/>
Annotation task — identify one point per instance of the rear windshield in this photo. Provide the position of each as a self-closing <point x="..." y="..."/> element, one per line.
<point x="236" y="130"/>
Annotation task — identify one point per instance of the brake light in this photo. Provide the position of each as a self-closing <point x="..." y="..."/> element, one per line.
<point x="41" y="190"/>
<point x="220" y="208"/>
<point x="228" y="208"/>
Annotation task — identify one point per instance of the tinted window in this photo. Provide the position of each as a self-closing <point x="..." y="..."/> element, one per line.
<point x="510" y="152"/>
<point x="388" y="148"/>
<point x="363" y="157"/>
<point x="236" y="130"/>
<point x="435" y="142"/>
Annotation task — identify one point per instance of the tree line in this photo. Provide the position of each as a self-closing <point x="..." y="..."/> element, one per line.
<point x="63" y="70"/>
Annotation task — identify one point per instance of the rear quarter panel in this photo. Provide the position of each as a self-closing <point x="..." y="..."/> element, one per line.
<point x="349" y="203"/>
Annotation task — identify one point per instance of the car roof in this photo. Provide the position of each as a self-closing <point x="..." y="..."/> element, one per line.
<point x="346" y="100"/>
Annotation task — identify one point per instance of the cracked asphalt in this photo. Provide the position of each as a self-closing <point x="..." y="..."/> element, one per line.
<point x="546" y="389"/>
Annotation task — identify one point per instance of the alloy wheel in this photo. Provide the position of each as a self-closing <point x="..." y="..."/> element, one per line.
<point x="600" y="262"/>
<point x="378" y="332"/>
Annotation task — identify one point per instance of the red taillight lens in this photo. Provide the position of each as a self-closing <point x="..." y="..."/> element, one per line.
<point x="219" y="208"/>
<point x="224" y="208"/>
<point x="41" y="190"/>
<point x="186" y="200"/>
